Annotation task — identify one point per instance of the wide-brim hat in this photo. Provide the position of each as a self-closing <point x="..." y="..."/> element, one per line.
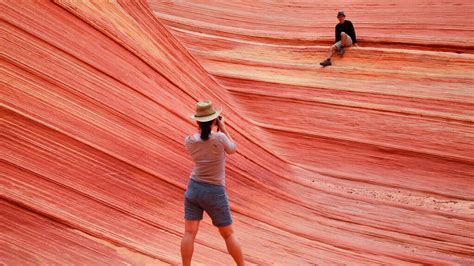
<point x="205" y="112"/>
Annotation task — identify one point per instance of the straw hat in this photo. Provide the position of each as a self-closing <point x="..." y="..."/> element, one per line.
<point x="205" y="112"/>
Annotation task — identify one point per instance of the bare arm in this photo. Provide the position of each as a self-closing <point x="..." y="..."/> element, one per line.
<point x="230" y="147"/>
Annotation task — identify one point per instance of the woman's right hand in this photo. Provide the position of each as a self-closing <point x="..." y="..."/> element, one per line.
<point x="221" y="123"/>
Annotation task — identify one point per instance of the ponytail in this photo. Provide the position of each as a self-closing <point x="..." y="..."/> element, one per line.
<point x="206" y="129"/>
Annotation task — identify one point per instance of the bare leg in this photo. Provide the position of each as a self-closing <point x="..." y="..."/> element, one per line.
<point x="331" y="51"/>
<point x="343" y="39"/>
<point x="233" y="246"/>
<point x="187" y="243"/>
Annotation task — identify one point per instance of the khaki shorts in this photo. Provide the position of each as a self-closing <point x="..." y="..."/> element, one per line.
<point x="338" y="45"/>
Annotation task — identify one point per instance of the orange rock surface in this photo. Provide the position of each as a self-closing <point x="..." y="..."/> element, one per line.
<point x="368" y="161"/>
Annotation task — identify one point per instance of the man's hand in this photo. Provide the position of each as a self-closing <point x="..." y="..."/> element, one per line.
<point x="356" y="44"/>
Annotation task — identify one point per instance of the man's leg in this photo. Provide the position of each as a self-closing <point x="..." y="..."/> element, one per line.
<point x="343" y="39"/>
<point x="331" y="51"/>
<point x="233" y="246"/>
<point x="187" y="243"/>
<point x="344" y="43"/>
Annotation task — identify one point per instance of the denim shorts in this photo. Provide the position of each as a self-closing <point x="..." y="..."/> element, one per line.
<point x="200" y="197"/>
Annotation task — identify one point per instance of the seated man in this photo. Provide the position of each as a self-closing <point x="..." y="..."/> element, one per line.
<point x="345" y="37"/>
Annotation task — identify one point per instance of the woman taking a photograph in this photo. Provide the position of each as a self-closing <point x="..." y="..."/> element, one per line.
<point x="206" y="186"/>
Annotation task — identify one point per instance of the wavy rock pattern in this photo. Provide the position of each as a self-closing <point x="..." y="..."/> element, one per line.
<point x="368" y="161"/>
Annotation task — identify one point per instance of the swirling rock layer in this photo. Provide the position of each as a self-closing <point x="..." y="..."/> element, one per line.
<point x="368" y="161"/>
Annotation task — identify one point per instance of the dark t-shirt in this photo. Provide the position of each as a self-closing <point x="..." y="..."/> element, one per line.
<point x="347" y="28"/>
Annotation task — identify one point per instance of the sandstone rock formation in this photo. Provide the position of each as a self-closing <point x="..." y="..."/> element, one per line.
<point x="369" y="161"/>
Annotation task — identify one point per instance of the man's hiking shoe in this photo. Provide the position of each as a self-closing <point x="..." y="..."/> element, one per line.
<point x="326" y="62"/>
<point x="341" y="52"/>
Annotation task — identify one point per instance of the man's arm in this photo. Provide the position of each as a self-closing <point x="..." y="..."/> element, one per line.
<point x="354" y="40"/>
<point x="338" y="35"/>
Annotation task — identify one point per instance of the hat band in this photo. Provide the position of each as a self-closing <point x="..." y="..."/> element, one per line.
<point x="205" y="115"/>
